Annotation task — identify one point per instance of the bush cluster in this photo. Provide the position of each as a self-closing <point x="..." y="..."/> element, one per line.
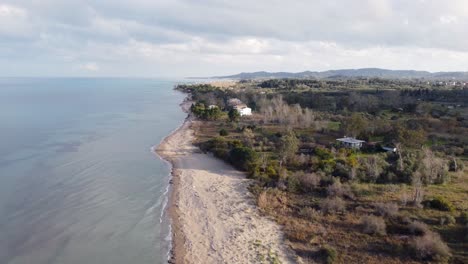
<point x="373" y="225"/>
<point x="206" y="113"/>
<point x="332" y="205"/>
<point x="439" y="203"/>
<point x="386" y="209"/>
<point x="418" y="228"/>
<point x="233" y="151"/>
<point x="430" y="247"/>
<point x="330" y="254"/>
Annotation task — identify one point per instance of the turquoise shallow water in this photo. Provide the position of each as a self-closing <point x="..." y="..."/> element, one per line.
<point x="78" y="181"/>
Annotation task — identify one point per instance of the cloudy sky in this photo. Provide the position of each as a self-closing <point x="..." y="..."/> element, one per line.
<point x="211" y="37"/>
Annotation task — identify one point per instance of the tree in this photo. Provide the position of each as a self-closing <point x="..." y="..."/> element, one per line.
<point x="212" y="113"/>
<point x="288" y="146"/>
<point x="418" y="194"/>
<point x="354" y="125"/>
<point x="373" y="166"/>
<point x="205" y="113"/>
<point x="410" y="138"/>
<point x="249" y="137"/>
<point x="234" y="115"/>
<point x="244" y="158"/>
<point x="432" y="168"/>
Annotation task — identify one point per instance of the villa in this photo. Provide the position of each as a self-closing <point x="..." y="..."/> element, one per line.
<point x="349" y="142"/>
<point x="243" y="109"/>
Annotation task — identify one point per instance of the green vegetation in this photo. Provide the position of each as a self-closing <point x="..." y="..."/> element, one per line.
<point x="206" y="113"/>
<point x="233" y="115"/>
<point x="439" y="203"/>
<point x="223" y="132"/>
<point x="330" y="254"/>
<point x="350" y="205"/>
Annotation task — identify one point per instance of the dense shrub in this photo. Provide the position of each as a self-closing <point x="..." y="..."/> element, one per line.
<point x="323" y="153"/>
<point x="243" y="158"/>
<point x="309" y="181"/>
<point x="332" y="205"/>
<point x="206" y="113"/>
<point x="386" y="209"/>
<point x="418" y="228"/>
<point x="218" y="146"/>
<point x="271" y="172"/>
<point x="330" y="254"/>
<point x="343" y="171"/>
<point x="337" y="189"/>
<point x="233" y="115"/>
<point x="293" y="184"/>
<point x="430" y="247"/>
<point x="372" y="168"/>
<point x="439" y="203"/>
<point x="223" y="132"/>
<point x="373" y="225"/>
<point x="308" y="213"/>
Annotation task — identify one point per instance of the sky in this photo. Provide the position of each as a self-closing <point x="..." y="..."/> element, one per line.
<point x="180" y="38"/>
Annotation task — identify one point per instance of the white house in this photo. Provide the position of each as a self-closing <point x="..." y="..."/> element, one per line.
<point x="243" y="109"/>
<point x="349" y="142"/>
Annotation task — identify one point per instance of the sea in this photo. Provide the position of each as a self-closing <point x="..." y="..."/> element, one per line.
<point x="79" y="182"/>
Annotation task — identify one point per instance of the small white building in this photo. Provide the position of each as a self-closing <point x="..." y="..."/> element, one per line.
<point x="349" y="142"/>
<point x="243" y="109"/>
<point x="212" y="106"/>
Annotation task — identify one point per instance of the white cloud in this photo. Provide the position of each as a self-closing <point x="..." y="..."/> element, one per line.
<point x="448" y="19"/>
<point x="90" y="66"/>
<point x="14" y="21"/>
<point x="11" y="11"/>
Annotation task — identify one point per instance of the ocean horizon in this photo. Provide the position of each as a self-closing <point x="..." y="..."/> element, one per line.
<point x="79" y="182"/>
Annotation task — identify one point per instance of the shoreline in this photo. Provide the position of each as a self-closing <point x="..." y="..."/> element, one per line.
<point x="213" y="217"/>
<point x="177" y="237"/>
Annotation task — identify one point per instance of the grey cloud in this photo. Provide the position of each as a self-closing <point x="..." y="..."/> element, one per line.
<point x="360" y="22"/>
<point x="201" y="33"/>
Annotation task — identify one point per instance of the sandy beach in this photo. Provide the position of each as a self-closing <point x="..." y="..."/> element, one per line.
<point x="214" y="217"/>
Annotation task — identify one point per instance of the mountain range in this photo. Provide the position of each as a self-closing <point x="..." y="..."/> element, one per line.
<point x="350" y="73"/>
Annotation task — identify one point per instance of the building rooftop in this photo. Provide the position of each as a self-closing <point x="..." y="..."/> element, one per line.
<point x="350" y="140"/>
<point x="240" y="106"/>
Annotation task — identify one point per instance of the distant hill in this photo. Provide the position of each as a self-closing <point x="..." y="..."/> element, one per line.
<point x="347" y="73"/>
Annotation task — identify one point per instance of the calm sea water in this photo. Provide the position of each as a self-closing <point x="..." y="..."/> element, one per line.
<point x="78" y="181"/>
